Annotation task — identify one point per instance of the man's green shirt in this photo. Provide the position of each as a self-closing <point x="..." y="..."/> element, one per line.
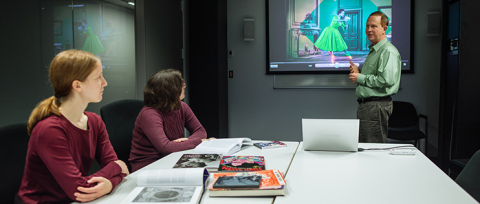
<point x="380" y="75"/>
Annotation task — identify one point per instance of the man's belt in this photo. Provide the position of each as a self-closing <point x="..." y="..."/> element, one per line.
<point x="384" y="98"/>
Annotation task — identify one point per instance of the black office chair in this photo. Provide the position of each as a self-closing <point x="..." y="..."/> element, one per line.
<point x="119" y="118"/>
<point x="14" y="144"/>
<point x="404" y="125"/>
<point x="469" y="177"/>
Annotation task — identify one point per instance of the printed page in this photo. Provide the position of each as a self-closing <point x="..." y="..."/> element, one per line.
<point x="218" y="146"/>
<point x="246" y="141"/>
<point x="171" y="177"/>
<point x="164" y="194"/>
<point x="219" y="143"/>
<point x="168" y="186"/>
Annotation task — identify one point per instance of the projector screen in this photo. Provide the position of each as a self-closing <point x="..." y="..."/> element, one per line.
<point x="309" y="36"/>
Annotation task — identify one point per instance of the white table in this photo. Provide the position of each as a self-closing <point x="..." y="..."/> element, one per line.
<point x="368" y="177"/>
<point x="279" y="158"/>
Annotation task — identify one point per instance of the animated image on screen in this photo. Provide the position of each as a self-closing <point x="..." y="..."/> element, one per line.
<point x="315" y="36"/>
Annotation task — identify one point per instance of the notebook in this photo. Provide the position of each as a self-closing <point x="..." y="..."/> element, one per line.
<point x="330" y="134"/>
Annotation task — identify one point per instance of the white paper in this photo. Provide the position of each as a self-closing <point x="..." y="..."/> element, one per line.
<point x="225" y="146"/>
<point x="171" y="177"/>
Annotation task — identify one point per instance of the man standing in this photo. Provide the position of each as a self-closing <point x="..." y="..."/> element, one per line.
<point x="377" y="81"/>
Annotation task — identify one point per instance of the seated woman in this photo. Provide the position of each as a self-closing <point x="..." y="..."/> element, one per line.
<point x="65" y="139"/>
<point x="159" y="128"/>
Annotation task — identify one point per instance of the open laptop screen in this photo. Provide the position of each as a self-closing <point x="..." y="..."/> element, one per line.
<point x="330" y="134"/>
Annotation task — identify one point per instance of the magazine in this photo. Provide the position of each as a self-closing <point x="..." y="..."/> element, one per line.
<point x="269" y="145"/>
<point x="272" y="183"/>
<point x="208" y="161"/>
<point x="224" y="146"/>
<point x="242" y="163"/>
<point x="168" y="186"/>
<point x="238" y="182"/>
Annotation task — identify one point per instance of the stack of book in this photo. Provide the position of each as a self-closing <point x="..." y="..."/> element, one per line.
<point x="255" y="183"/>
<point x="246" y="176"/>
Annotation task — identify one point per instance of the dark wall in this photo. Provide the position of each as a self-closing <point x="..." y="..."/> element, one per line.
<point x="468" y="140"/>
<point x="23" y="79"/>
<point x="159" y="38"/>
<point x="459" y="114"/>
<point x="206" y="40"/>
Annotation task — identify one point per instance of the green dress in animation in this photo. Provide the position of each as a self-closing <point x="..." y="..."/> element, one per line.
<point x="331" y="39"/>
<point x="92" y="43"/>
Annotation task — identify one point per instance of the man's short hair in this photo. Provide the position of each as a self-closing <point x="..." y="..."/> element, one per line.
<point x="384" y="18"/>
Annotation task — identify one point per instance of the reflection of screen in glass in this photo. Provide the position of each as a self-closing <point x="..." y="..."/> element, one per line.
<point x="100" y="28"/>
<point x="322" y="36"/>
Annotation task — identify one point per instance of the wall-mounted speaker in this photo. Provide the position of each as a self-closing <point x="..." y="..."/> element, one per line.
<point x="248" y="29"/>
<point x="433" y="23"/>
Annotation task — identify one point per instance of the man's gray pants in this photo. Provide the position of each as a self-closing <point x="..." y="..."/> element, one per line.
<point x="374" y="117"/>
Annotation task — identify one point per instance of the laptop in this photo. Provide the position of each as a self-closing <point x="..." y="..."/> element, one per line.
<point x="330" y="134"/>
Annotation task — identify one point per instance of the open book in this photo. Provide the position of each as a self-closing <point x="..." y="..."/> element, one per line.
<point x="168" y="186"/>
<point x="224" y="146"/>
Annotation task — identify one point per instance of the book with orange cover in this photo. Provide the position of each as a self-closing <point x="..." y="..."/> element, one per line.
<point x="272" y="184"/>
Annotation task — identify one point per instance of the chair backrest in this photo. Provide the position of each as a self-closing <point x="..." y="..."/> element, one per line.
<point x="469" y="178"/>
<point x="404" y="115"/>
<point x="119" y="118"/>
<point x="14" y="145"/>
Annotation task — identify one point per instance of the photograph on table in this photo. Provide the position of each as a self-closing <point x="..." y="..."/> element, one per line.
<point x="208" y="161"/>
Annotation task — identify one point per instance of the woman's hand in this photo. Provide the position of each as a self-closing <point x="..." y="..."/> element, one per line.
<point x="103" y="187"/>
<point x="123" y="166"/>
<point x="180" y="140"/>
<point x="212" y="138"/>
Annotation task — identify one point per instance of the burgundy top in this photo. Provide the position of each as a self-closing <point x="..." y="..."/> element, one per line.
<point x="154" y="131"/>
<point x="59" y="157"/>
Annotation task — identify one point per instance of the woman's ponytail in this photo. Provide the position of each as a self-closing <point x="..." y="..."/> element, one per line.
<point x="44" y="109"/>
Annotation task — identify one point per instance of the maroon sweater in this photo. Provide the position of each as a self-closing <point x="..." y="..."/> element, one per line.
<point x="59" y="157"/>
<point x="154" y="131"/>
